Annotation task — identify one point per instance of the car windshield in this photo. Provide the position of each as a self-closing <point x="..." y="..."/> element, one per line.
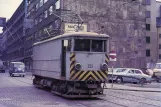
<point x="120" y="70"/>
<point x="19" y="65"/>
<point x="158" y="66"/>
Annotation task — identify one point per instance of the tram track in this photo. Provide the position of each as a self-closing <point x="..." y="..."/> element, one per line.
<point x="106" y="99"/>
<point x="119" y="92"/>
<point x="133" y="100"/>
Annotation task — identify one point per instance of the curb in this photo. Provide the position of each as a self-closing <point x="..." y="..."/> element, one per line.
<point x="132" y="90"/>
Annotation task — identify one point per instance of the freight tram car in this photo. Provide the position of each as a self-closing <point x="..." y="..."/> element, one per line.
<point x="72" y="64"/>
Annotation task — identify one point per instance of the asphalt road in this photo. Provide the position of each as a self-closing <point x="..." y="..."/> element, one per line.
<point x="19" y="92"/>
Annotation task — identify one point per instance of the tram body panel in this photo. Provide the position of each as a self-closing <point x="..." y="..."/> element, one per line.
<point x="46" y="60"/>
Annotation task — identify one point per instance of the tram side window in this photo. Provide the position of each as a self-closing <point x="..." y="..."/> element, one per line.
<point x="97" y="45"/>
<point x="82" y="45"/>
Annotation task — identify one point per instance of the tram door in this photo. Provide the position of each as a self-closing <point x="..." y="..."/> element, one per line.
<point x="63" y="60"/>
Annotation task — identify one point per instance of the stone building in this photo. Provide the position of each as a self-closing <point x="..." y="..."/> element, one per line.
<point x="123" y="21"/>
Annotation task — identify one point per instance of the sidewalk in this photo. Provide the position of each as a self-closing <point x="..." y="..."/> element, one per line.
<point x="131" y="88"/>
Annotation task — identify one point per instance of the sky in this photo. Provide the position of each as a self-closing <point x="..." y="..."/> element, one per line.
<point x="8" y="7"/>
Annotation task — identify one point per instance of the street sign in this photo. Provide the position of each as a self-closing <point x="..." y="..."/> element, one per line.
<point x="112" y="56"/>
<point x="71" y="27"/>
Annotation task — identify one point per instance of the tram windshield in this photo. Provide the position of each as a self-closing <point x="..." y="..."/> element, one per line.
<point x="88" y="45"/>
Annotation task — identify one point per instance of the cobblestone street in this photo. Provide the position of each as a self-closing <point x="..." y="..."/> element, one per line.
<point x="19" y="92"/>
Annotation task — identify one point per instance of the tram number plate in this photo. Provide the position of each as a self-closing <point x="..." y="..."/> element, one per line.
<point x="90" y="65"/>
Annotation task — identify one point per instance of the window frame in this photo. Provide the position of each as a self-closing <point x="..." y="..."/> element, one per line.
<point x="104" y="48"/>
<point x="137" y="73"/>
<point x="148" y="55"/>
<point x="148" y="39"/>
<point x="148" y="27"/>
<point x="148" y="14"/>
<point x="148" y="2"/>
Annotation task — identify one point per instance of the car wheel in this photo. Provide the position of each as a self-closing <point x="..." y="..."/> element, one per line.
<point x="142" y="81"/>
<point x="119" y="80"/>
<point x="23" y="75"/>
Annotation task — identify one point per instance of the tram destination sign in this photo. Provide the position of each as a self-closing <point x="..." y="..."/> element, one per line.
<point x="2" y="21"/>
<point x="71" y="27"/>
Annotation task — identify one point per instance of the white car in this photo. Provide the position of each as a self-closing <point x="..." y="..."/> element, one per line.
<point x="121" y="75"/>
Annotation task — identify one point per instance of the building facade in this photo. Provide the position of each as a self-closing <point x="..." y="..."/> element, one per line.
<point x="151" y="32"/>
<point x="40" y="13"/>
<point x="123" y="20"/>
<point x="158" y="23"/>
<point x="13" y="39"/>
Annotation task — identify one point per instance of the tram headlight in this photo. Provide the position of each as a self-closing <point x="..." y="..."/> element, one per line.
<point x="104" y="66"/>
<point x="78" y="66"/>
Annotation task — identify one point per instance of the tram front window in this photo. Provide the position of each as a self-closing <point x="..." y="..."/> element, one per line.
<point x="97" y="45"/>
<point x="82" y="45"/>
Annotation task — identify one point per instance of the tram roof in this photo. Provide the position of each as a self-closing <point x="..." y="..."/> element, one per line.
<point x="72" y="34"/>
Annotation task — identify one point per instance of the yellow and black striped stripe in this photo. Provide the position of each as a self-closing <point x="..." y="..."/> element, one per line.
<point x="107" y="59"/>
<point x="86" y="75"/>
<point x="72" y="63"/>
<point x="90" y="75"/>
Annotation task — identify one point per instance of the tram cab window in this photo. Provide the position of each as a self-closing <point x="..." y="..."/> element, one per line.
<point x="98" y="46"/>
<point x="82" y="45"/>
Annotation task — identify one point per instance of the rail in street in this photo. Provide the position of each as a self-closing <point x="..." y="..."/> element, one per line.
<point x="19" y="92"/>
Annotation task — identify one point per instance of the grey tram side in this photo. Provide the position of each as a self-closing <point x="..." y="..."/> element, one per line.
<point x="51" y="60"/>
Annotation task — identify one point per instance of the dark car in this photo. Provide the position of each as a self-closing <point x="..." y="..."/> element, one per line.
<point x="2" y="69"/>
<point x="17" y="69"/>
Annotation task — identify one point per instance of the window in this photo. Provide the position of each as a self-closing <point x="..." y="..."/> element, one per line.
<point x="159" y="46"/>
<point x="159" y="56"/>
<point x="148" y="52"/>
<point x="131" y="71"/>
<point x="97" y="46"/>
<point x="37" y="6"/>
<point x="137" y="72"/>
<point x="148" y="2"/>
<point x="46" y="14"/>
<point x="45" y="1"/>
<point x="57" y="4"/>
<point x="148" y="27"/>
<point x="69" y="45"/>
<point x="41" y="3"/>
<point x="147" y="14"/>
<point x="82" y="45"/>
<point x="147" y="39"/>
<point x="158" y="66"/>
<point x="50" y="10"/>
<point x="159" y="35"/>
<point x="120" y="70"/>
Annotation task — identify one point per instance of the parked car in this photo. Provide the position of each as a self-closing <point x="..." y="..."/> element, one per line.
<point x="2" y="67"/>
<point x="121" y="75"/>
<point x="157" y="72"/>
<point x="17" y="69"/>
